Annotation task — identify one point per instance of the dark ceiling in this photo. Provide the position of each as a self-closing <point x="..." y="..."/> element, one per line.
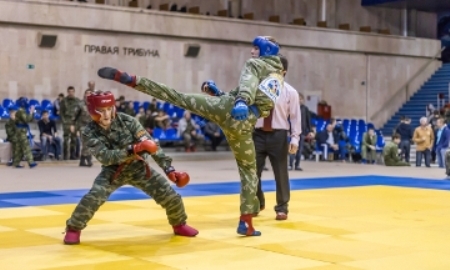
<point x="422" y="5"/>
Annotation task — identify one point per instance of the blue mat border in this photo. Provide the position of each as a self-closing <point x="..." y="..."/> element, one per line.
<point x="40" y="198"/>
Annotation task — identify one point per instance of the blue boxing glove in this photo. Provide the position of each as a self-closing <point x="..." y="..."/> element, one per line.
<point x="209" y="87"/>
<point x="240" y="110"/>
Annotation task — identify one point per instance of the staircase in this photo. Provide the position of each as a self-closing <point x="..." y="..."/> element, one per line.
<point x="415" y="107"/>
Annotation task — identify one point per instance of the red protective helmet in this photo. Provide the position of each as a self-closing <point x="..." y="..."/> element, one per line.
<point x="100" y="99"/>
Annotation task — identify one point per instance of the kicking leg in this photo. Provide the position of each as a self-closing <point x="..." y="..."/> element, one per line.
<point x="216" y="109"/>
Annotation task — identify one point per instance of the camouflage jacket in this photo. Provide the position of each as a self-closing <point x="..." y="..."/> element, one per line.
<point x="10" y="127"/>
<point x="23" y="118"/>
<point x="109" y="146"/>
<point x="253" y="73"/>
<point x="67" y="110"/>
<point x="367" y="140"/>
<point x="82" y="116"/>
<point x="390" y="153"/>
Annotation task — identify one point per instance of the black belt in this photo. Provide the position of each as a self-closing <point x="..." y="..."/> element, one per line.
<point x="273" y="130"/>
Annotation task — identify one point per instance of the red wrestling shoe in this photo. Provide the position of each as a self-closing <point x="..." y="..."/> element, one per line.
<point x="184" y="230"/>
<point x="72" y="236"/>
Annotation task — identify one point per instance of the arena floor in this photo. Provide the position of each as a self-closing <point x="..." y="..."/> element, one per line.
<point x="342" y="216"/>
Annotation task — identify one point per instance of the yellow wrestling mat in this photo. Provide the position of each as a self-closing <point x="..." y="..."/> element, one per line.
<point x="374" y="227"/>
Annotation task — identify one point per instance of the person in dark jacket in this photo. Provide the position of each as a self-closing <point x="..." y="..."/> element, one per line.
<point x="406" y="133"/>
<point x="329" y="142"/>
<point x="306" y="129"/>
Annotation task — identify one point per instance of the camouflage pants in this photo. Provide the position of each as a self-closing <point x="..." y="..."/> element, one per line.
<point x="156" y="187"/>
<point x="388" y="162"/>
<point x="237" y="133"/>
<point x="368" y="154"/>
<point x="84" y="150"/>
<point x="22" y="148"/>
<point x="70" y="142"/>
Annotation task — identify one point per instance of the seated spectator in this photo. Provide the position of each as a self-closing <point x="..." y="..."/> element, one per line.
<point x="368" y="147"/>
<point x="153" y="107"/>
<point x="188" y="130"/>
<point x="424" y="139"/>
<point x="50" y="142"/>
<point x="212" y="131"/>
<point x="129" y="108"/>
<point x="390" y="153"/>
<point x="149" y="122"/>
<point x="329" y="143"/>
<point x="309" y="145"/>
<point x="162" y="120"/>
<point x="140" y="116"/>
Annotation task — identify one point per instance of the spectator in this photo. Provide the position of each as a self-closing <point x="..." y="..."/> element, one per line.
<point x="188" y="130"/>
<point x="442" y="141"/>
<point x="149" y="122"/>
<point x="140" y="116"/>
<point x="153" y="107"/>
<point x="433" y="119"/>
<point x="50" y="142"/>
<point x="390" y="153"/>
<point x="368" y="149"/>
<point x="68" y="105"/>
<point x="56" y="104"/>
<point x="406" y="132"/>
<point x="129" y="108"/>
<point x="305" y="129"/>
<point x="328" y="139"/>
<point x="424" y="139"/>
<point x="212" y="131"/>
<point x="162" y="120"/>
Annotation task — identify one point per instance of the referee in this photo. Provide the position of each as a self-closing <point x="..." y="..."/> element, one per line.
<point x="271" y="140"/>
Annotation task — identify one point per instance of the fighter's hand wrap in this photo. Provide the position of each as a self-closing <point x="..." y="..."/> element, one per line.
<point x="180" y="179"/>
<point x="210" y="88"/>
<point x="240" y="110"/>
<point x="146" y="146"/>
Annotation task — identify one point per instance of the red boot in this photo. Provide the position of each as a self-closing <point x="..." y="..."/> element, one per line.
<point x="245" y="226"/>
<point x="72" y="236"/>
<point x="184" y="230"/>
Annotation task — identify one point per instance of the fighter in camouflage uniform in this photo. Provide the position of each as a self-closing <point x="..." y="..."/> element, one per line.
<point x="23" y="147"/>
<point x="122" y="145"/>
<point x="82" y="118"/>
<point x="11" y="130"/>
<point x="236" y="113"/>
<point x="390" y="153"/>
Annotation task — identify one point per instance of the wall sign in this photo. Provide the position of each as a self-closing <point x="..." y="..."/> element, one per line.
<point x="115" y="50"/>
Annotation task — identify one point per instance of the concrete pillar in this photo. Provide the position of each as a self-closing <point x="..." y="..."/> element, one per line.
<point x="404" y="18"/>
<point x="323" y="10"/>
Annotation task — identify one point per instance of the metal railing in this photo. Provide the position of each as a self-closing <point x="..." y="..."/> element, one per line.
<point x="404" y="89"/>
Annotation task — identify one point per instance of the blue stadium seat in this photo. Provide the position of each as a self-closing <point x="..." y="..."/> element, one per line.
<point x="157" y="133"/>
<point x="4" y="113"/>
<point x="7" y="103"/>
<point x="136" y="105"/>
<point x="34" y="102"/>
<point x="172" y="135"/>
<point x="146" y="104"/>
<point x="46" y="105"/>
<point x="37" y="115"/>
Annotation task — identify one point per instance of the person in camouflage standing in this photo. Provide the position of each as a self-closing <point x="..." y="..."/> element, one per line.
<point x="67" y="113"/>
<point x="122" y="145"/>
<point x="368" y="146"/>
<point x="390" y="153"/>
<point x="11" y="131"/>
<point x="236" y="113"/>
<point x="82" y="118"/>
<point x="23" y="147"/>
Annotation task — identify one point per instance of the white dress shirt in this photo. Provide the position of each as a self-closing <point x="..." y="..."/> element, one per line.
<point x="287" y="105"/>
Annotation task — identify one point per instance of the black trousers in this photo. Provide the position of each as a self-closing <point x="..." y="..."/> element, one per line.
<point x="274" y="145"/>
